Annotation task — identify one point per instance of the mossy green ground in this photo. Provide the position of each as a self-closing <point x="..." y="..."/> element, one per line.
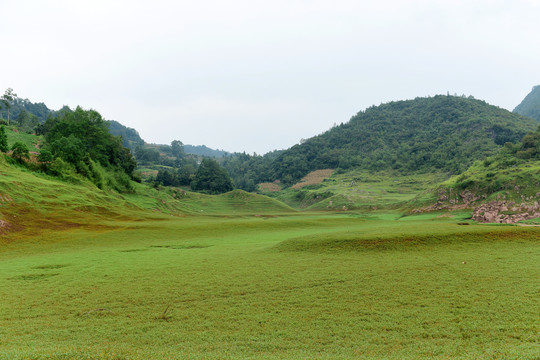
<point x="291" y="286"/>
<point x="88" y="274"/>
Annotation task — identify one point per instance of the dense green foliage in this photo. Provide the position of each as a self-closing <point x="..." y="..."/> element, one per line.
<point x="440" y="133"/>
<point x="7" y="101"/>
<point x="38" y="111"/>
<point x="83" y="134"/>
<point x="530" y="146"/>
<point x="3" y="139"/>
<point x="211" y="178"/>
<point x="20" y="151"/>
<point x="81" y="140"/>
<point x="514" y="170"/>
<point x="249" y="170"/>
<point x="530" y="106"/>
<point x="175" y="177"/>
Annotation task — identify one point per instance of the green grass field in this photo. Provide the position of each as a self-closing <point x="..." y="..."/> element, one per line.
<point x="363" y="190"/>
<point x="291" y="286"/>
<point x="88" y="274"/>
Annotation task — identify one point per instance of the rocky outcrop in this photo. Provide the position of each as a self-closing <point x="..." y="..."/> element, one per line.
<point x="505" y="212"/>
<point x="448" y="200"/>
<point x="501" y="210"/>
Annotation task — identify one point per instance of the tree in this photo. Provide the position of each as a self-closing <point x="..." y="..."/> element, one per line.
<point x="177" y="148"/>
<point x="83" y="134"/>
<point x="147" y="154"/>
<point x="211" y="178"/>
<point x="20" y="151"/>
<point x="45" y="156"/>
<point x="3" y="140"/>
<point x="27" y="121"/>
<point x="70" y="149"/>
<point x="7" y="99"/>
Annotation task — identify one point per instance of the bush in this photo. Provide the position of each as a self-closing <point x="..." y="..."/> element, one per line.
<point x="20" y="151"/>
<point x="211" y="178"/>
<point x="120" y="181"/>
<point x="60" y="168"/>
<point x="3" y="140"/>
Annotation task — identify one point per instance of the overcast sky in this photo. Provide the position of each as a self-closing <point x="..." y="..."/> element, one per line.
<point x="255" y="75"/>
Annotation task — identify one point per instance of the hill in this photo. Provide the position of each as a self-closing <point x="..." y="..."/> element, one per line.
<point x="130" y="137"/>
<point x="33" y="201"/>
<point x="503" y="188"/>
<point x="530" y="106"/>
<point x="203" y="150"/>
<point x="25" y="110"/>
<point x="441" y="133"/>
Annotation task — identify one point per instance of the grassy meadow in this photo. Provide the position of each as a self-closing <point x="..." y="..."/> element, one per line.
<point x="327" y="286"/>
<point x="89" y="274"/>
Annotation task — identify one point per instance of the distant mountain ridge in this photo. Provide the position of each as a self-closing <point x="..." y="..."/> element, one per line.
<point x="530" y="106"/>
<point x="132" y="140"/>
<point x="130" y="137"/>
<point x="203" y="150"/>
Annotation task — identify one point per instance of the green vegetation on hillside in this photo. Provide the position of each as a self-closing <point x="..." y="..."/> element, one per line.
<point x="362" y="190"/>
<point x="211" y="178"/>
<point x="203" y="150"/>
<point x="530" y="106"/>
<point x="130" y="137"/>
<point x="78" y="143"/>
<point x="23" y="112"/>
<point x="515" y="170"/>
<point x="441" y="134"/>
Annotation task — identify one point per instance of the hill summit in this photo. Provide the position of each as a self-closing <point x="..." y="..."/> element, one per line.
<point x="443" y="133"/>
<point x="530" y="106"/>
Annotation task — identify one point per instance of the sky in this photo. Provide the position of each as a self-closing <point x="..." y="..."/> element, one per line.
<point x="256" y="76"/>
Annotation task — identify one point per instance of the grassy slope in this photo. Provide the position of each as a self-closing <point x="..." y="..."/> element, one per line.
<point x="28" y="139"/>
<point x="516" y="181"/>
<point x="530" y="106"/>
<point x="361" y="190"/>
<point x="503" y="177"/>
<point x="31" y="201"/>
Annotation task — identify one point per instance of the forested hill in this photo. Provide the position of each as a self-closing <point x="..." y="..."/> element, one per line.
<point x="130" y="137"/>
<point x="445" y="133"/>
<point x="530" y="106"/>
<point x="132" y="140"/>
<point x="203" y="150"/>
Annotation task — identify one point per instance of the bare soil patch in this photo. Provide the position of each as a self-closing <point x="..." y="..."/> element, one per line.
<point x="313" y="178"/>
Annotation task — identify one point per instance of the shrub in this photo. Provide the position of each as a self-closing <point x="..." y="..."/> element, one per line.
<point x="20" y="151"/>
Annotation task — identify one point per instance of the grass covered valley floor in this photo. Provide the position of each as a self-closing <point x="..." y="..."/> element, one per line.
<point x="315" y="285"/>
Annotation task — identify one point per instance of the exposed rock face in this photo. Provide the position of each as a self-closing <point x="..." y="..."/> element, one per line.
<point x="500" y="211"/>
<point x="448" y="200"/>
<point x="505" y="212"/>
